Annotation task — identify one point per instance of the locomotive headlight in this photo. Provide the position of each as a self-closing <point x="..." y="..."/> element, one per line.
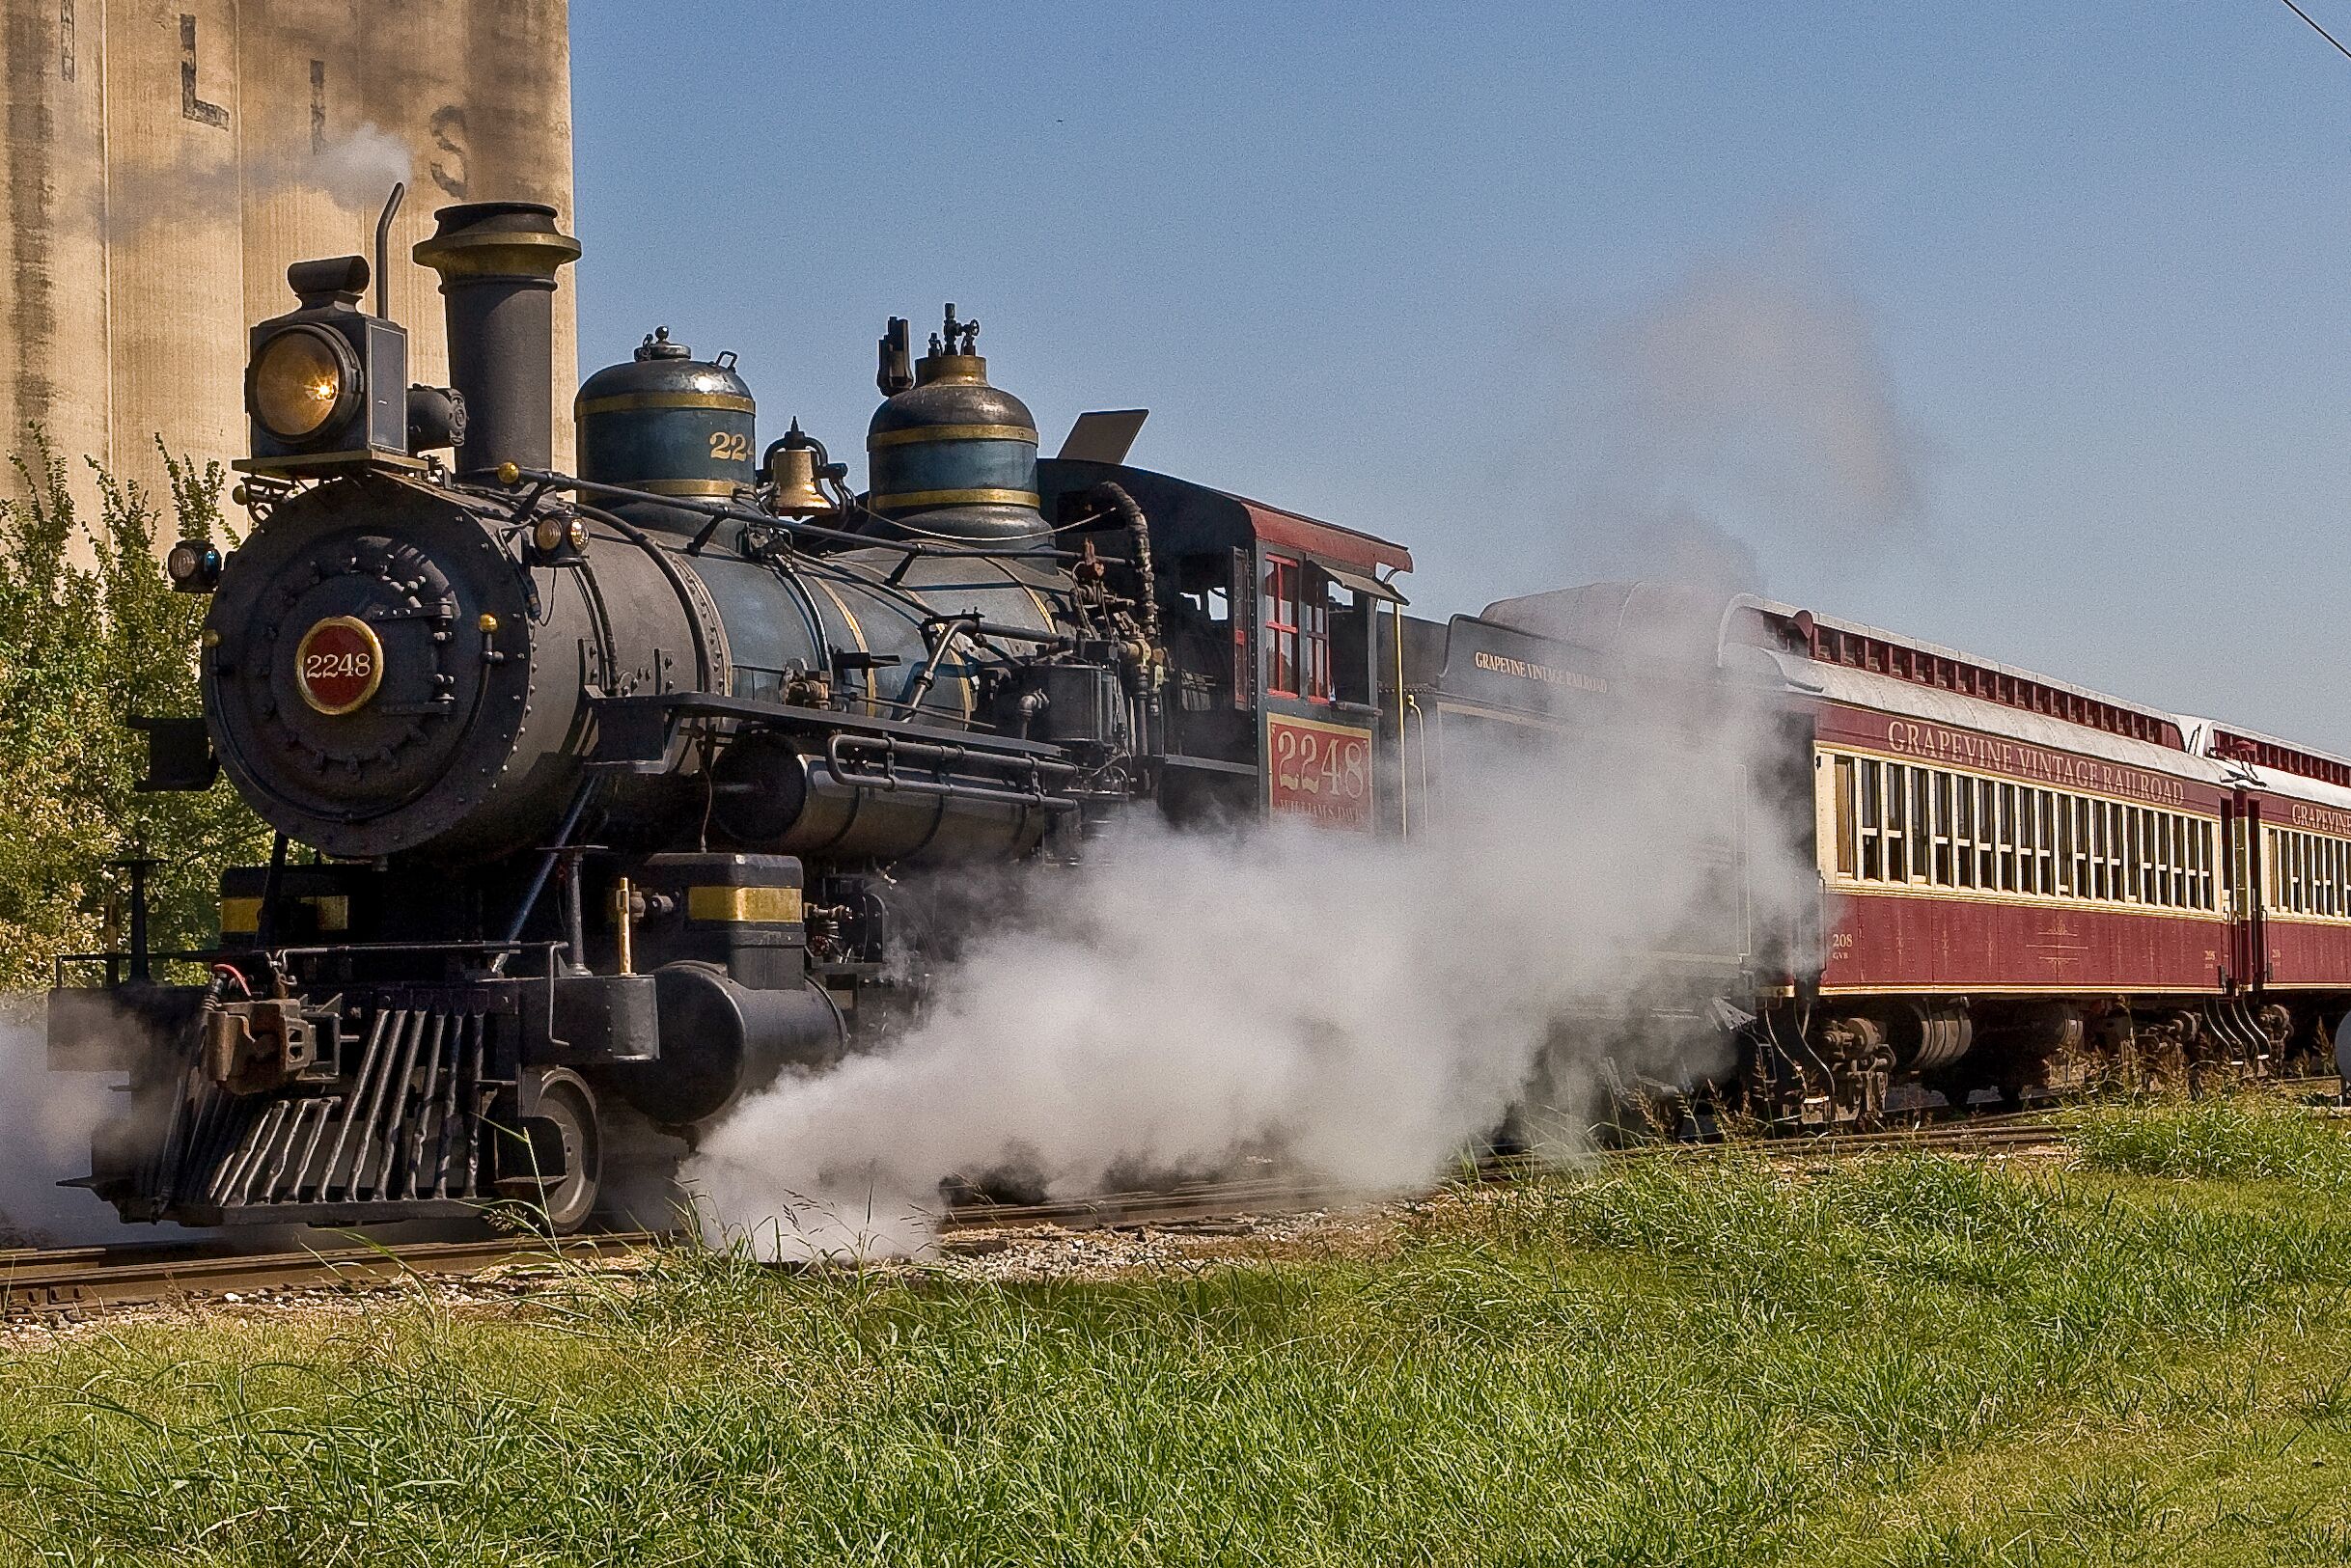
<point x="302" y="382"/>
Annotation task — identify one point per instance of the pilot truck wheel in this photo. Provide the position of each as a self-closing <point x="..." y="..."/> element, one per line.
<point x="556" y="1165"/>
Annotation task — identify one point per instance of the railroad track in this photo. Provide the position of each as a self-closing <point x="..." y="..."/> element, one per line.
<point x="62" y="1281"/>
<point x="1214" y="1200"/>
<point x="2018" y="1131"/>
<point x="52" y="1282"/>
<point x="1999" y="1132"/>
<point x="1198" y="1201"/>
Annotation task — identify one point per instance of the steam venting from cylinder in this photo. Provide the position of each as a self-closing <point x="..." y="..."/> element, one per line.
<point x="498" y="262"/>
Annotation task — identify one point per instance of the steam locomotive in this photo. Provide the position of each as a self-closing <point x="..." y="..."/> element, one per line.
<point x="609" y="781"/>
<point x="596" y="795"/>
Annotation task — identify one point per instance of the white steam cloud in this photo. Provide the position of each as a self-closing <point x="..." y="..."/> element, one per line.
<point x="355" y="171"/>
<point x="1746" y="415"/>
<point x="45" y="1122"/>
<point x="1359" y="1012"/>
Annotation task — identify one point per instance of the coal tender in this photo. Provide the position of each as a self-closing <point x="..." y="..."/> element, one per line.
<point x="595" y="793"/>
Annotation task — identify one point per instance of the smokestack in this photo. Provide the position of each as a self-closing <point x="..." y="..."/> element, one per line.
<point x="497" y="261"/>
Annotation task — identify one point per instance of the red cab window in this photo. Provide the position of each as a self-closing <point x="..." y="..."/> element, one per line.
<point x="1281" y="617"/>
<point x="1314" y="634"/>
<point x="1297" y="614"/>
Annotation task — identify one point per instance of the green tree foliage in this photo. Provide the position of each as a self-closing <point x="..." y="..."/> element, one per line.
<point x="83" y="647"/>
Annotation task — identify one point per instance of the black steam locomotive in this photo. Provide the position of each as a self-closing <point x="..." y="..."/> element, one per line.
<point x="595" y="794"/>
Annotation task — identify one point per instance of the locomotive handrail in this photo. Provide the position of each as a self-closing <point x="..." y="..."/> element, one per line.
<point x="720" y="512"/>
<point x="474" y="944"/>
<point x="953" y="753"/>
<point x="626" y="740"/>
<point x="113" y="959"/>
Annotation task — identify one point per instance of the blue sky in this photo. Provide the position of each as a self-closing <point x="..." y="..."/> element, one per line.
<point x="1447" y="273"/>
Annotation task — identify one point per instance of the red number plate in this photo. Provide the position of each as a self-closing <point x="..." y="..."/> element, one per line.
<point x="339" y="665"/>
<point x="1319" y="770"/>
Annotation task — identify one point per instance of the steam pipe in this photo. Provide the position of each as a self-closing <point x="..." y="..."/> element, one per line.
<point x="383" y="250"/>
<point x="498" y="262"/>
<point x="1115" y="498"/>
<point x="943" y="634"/>
<point x="513" y="936"/>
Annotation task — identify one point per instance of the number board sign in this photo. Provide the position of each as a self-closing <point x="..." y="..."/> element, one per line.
<point x="339" y="665"/>
<point x="1319" y="770"/>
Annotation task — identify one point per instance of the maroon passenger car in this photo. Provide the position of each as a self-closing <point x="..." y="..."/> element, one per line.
<point x="2026" y="884"/>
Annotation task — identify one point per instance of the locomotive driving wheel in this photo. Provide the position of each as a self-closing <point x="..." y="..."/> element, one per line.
<point x="557" y="1162"/>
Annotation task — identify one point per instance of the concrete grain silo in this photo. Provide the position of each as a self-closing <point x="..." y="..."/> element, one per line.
<point x="162" y="161"/>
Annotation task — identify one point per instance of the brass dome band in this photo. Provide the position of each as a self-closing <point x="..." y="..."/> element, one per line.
<point x="958" y="498"/>
<point x="950" y="432"/>
<point x="624" y="403"/>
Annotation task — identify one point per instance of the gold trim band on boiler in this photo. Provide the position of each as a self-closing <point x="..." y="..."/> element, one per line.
<point x="744" y="906"/>
<point x="950" y="432"/>
<point x="732" y="403"/>
<point x="958" y="498"/>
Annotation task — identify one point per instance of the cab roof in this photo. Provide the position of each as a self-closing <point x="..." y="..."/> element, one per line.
<point x="1189" y="517"/>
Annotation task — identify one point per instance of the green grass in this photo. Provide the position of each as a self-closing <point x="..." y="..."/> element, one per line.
<point x="1906" y="1362"/>
<point x="2245" y="1136"/>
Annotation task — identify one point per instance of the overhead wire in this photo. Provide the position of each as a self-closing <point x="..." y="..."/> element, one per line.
<point x="2320" y="30"/>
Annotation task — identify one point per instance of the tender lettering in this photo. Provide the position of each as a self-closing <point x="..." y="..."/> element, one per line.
<point x="1502" y="664"/>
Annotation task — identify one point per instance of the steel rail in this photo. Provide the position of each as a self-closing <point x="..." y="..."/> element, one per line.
<point x="48" y="1281"/>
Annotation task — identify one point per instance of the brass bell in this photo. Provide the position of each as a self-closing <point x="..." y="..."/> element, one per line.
<point x="791" y="468"/>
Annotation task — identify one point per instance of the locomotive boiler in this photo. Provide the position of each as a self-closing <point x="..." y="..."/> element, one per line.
<point x="590" y="791"/>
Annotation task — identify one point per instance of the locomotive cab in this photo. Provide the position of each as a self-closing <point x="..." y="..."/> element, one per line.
<point x="1269" y="619"/>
